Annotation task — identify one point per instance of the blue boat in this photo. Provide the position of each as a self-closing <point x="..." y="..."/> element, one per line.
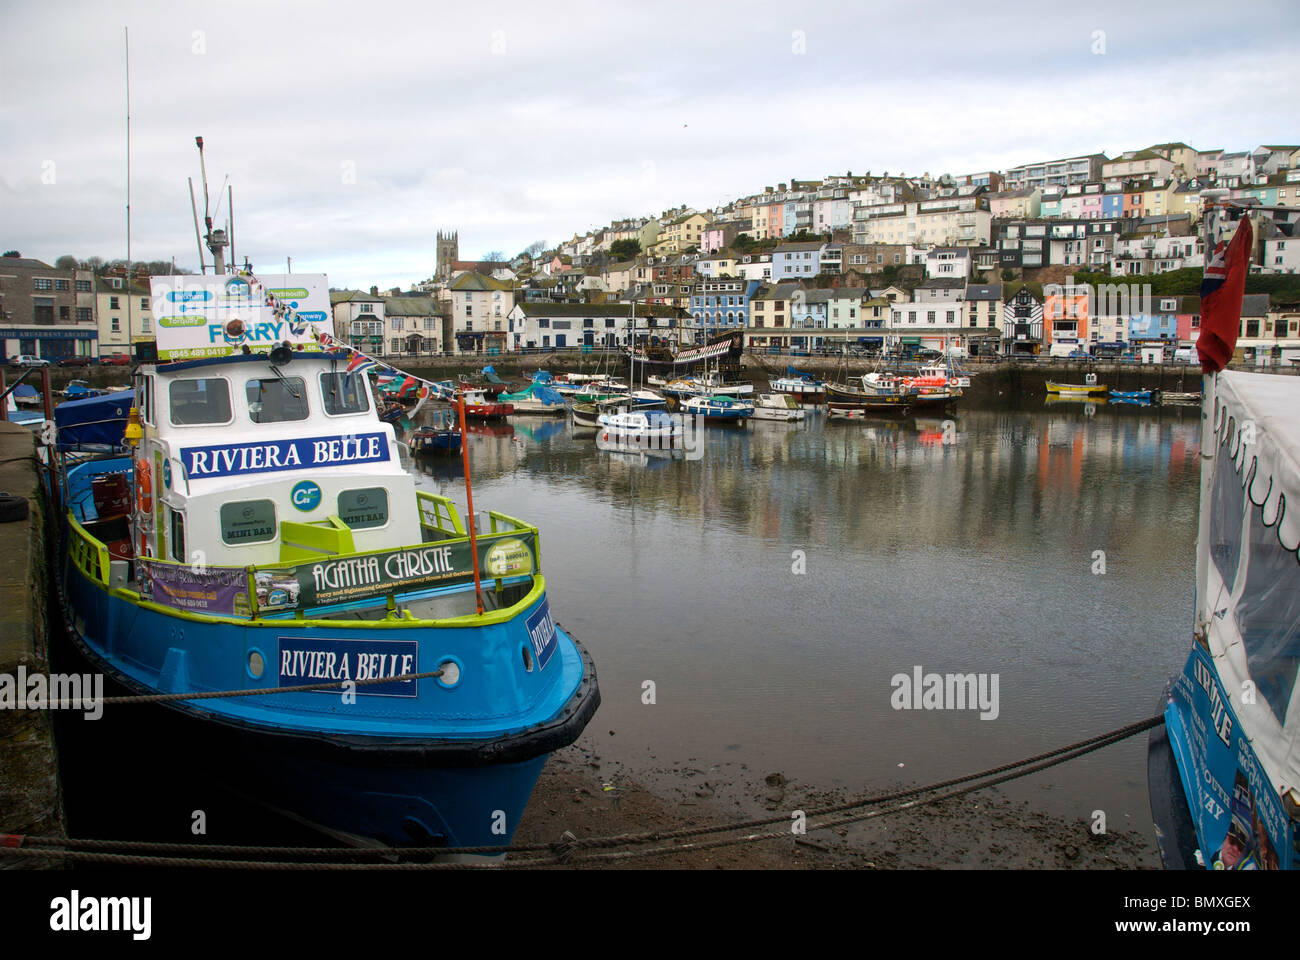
<point x="1224" y="769"/>
<point x="1134" y="396"/>
<point x="244" y="523"/>
<point x="718" y="409"/>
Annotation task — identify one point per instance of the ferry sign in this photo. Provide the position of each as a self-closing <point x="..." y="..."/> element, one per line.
<point x="213" y="316"/>
<point x="229" y="459"/>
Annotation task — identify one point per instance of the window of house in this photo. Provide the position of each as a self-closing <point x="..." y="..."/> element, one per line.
<point x="40" y="284"/>
<point x="112" y="303"/>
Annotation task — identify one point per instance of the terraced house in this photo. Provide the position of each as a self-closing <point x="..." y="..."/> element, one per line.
<point x="480" y="308"/>
<point x="721" y="303"/>
<point x="681" y="234"/>
<point x="770" y="312"/>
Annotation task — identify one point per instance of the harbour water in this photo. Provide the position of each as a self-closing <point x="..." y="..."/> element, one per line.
<point x="772" y="589"/>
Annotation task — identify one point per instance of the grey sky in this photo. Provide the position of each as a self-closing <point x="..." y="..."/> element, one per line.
<point x="520" y="122"/>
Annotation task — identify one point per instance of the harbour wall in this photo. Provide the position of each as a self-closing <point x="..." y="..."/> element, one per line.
<point x="31" y="799"/>
<point x="997" y="383"/>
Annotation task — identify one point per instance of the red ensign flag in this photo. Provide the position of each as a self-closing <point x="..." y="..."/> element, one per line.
<point x="1222" y="288"/>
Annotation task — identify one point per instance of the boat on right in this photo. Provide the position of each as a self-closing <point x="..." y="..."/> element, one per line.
<point x="1224" y="770"/>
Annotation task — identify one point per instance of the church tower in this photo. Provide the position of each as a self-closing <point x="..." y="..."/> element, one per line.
<point x="448" y="252"/>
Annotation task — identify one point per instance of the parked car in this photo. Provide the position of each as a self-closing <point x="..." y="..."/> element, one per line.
<point x="75" y="360"/>
<point x="116" y="360"/>
<point x="26" y="360"/>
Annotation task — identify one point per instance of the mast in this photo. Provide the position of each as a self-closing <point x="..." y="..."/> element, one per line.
<point x="130" y="274"/>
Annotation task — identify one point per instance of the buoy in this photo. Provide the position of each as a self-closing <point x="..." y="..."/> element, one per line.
<point x="143" y="486"/>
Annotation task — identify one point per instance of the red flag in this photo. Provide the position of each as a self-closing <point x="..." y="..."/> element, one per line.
<point x="1222" y="289"/>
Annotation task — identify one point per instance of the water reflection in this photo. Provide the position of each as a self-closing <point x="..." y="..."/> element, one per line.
<point x="965" y="542"/>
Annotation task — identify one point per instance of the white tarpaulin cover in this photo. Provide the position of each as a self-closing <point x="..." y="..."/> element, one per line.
<point x="1252" y="587"/>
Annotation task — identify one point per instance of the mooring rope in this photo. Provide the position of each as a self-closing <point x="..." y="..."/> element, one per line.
<point x="73" y="704"/>
<point x="562" y="852"/>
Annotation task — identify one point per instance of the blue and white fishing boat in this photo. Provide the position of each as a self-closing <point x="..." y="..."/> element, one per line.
<point x="1224" y="770"/>
<point x="269" y="538"/>
<point x="718" y="409"/>
<point x="803" y="386"/>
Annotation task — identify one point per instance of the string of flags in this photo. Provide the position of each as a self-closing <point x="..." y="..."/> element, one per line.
<point x="358" y="362"/>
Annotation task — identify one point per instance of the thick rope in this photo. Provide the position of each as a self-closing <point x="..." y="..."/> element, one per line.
<point x="12" y="845"/>
<point x="215" y="694"/>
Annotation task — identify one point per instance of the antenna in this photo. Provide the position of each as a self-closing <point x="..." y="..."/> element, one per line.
<point x="216" y="238"/>
<point x="126" y="41"/>
<point x="197" y="238"/>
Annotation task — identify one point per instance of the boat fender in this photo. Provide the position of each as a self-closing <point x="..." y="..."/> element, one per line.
<point x="12" y="508"/>
<point x="143" y="486"/>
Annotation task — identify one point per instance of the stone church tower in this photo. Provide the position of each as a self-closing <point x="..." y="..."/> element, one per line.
<point x="448" y="252"/>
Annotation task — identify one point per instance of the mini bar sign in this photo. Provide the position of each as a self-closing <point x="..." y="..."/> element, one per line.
<point x="230" y="459"/>
<point x="304" y="660"/>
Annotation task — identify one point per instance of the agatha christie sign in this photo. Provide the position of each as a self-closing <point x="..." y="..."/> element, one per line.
<point x="394" y="571"/>
<point x="304" y="660"/>
<point x="212" y="316"/>
<point x="228" y="459"/>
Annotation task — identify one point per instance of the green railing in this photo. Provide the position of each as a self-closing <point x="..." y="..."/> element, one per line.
<point x="313" y="578"/>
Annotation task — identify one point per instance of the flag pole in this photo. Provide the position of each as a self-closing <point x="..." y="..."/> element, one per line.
<point x="469" y="503"/>
<point x="1208" y="449"/>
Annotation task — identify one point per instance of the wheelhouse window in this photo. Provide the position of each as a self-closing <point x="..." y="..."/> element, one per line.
<point x="364" y="508"/>
<point x="277" y="399"/>
<point x="198" y="401"/>
<point x="247" y="521"/>
<point x="344" y="394"/>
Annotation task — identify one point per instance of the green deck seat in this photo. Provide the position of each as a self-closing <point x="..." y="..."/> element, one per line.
<point x="314" y="541"/>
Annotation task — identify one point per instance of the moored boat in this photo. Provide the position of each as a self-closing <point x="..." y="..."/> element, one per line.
<point x="777" y="406"/>
<point x="803" y="386"/>
<point x="1224" y="770"/>
<point x="319" y="563"/>
<point x="718" y="409"/>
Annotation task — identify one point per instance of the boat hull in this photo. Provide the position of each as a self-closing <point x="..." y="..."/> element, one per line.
<point x="402" y="771"/>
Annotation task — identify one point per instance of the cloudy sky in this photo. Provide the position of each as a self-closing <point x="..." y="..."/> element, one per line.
<point x="353" y="131"/>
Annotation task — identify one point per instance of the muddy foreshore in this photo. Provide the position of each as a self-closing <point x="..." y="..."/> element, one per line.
<point x="591" y="796"/>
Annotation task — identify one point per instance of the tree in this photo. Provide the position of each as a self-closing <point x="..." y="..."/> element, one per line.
<point x="743" y="242"/>
<point x="66" y="262"/>
<point x="493" y="256"/>
<point x="1008" y="275"/>
<point x="12" y="255"/>
<point x="536" y="248"/>
<point x="625" y="249"/>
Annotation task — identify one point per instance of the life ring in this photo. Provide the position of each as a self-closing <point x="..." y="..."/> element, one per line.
<point x="143" y="486"/>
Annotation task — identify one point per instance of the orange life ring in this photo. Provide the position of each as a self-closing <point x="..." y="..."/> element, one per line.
<point x="143" y="486"/>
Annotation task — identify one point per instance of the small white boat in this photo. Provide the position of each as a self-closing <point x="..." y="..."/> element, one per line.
<point x="639" y="425"/>
<point x="777" y="406"/>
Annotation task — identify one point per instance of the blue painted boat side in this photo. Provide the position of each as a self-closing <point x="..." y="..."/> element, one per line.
<point x="496" y="696"/>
